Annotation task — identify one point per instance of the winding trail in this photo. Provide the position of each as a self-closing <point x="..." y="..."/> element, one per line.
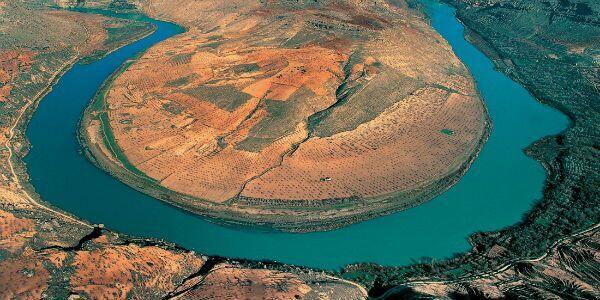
<point x="358" y="286"/>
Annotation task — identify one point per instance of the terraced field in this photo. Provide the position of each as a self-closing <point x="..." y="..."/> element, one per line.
<point x="299" y="116"/>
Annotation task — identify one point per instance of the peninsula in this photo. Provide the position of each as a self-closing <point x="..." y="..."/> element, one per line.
<point x="298" y="116"/>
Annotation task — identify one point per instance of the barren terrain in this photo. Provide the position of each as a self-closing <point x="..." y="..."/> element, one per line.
<point x="298" y="116"/>
<point x="42" y="258"/>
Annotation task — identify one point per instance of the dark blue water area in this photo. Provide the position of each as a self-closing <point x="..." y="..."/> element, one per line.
<point x="500" y="187"/>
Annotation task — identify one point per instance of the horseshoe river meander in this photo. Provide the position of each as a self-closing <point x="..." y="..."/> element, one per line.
<point x="499" y="188"/>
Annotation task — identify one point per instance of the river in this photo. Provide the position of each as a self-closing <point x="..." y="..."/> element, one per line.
<point x="499" y="188"/>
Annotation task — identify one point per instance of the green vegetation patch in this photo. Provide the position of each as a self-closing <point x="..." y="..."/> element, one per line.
<point x="245" y="68"/>
<point x="99" y="106"/>
<point x="181" y="58"/>
<point x="172" y="107"/>
<point x="181" y="81"/>
<point x="304" y="37"/>
<point x="120" y="5"/>
<point x="447" y="131"/>
<point x="119" y="32"/>
<point x="254" y="144"/>
<point x="212" y="45"/>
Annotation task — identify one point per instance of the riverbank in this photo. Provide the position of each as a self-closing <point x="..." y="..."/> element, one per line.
<point x="305" y="216"/>
<point x="534" y="277"/>
<point x="436" y="228"/>
<point x="60" y="259"/>
<point x="16" y="143"/>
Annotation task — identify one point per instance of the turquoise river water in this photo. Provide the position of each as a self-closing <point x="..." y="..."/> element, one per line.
<point x="500" y="187"/>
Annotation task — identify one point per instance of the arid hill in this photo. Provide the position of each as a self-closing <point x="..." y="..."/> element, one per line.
<point x="301" y="115"/>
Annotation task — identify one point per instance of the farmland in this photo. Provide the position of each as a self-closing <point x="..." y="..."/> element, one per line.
<point x="303" y="119"/>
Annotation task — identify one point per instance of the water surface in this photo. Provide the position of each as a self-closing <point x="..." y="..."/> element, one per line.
<point x="501" y="185"/>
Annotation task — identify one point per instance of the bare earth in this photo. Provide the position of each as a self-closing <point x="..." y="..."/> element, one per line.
<point x="278" y="113"/>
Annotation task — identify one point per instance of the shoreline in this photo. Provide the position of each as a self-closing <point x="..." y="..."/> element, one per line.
<point x="125" y="43"/>
<point x="83" y="232"/>
<point x="224" y="217"/>
<point x="297" y="216"/>
<point x="17" y="165"/>
<point x="481" y="242"/>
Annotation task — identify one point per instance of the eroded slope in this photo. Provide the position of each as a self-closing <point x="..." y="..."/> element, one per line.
<point x="569" y="270"/>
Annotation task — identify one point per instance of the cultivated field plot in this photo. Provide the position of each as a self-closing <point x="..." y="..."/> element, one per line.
<point x="279" y="109"/>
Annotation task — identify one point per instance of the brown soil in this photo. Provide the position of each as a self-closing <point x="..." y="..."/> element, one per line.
<point x="227" y="281"/>
<point x="113" y="272"/>
<point x="46" y="257"/>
